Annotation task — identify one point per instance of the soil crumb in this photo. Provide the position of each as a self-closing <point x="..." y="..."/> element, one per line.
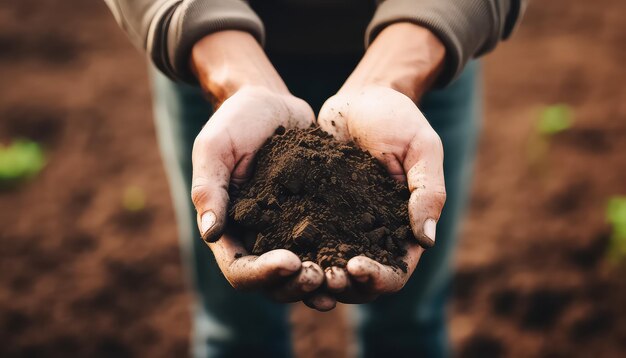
<point x="325" y="200"/>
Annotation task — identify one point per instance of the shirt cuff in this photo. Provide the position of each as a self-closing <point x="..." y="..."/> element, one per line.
<point x="186" y="22"/>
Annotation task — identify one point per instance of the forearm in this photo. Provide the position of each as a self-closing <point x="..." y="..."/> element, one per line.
<point x="226" y="61"/>
<point x="405" y="57"/>
<point x="168" y="29"/>
<point x="467" y="28"/>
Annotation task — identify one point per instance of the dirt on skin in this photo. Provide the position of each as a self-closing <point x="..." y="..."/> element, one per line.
<point x="325" y="200"/>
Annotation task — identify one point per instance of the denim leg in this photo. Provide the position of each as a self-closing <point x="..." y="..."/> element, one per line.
<point x="226" y="323"/>
<point x="412" y="323"/>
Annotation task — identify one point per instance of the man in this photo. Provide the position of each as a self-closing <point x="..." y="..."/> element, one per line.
<point x="311" y="48"/>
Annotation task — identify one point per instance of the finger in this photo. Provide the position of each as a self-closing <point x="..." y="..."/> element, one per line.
<point x="332" y="116"/>
<point x="336" y="279"/>
<point x="309" y="278"/>
<point x="424" y="167"/>
<point x="253" y="272"/>
<point x="373" y="277"/>
<point x="322" y="302"/>
<point x="301" y="115"/>
<point x="212" y="166"/>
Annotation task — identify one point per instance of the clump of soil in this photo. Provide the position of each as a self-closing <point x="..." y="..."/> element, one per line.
<point x="325" y="200"/>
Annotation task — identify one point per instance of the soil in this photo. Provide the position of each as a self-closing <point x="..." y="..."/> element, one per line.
<point x="324" y="200"/>
<point x="81" y="277"/>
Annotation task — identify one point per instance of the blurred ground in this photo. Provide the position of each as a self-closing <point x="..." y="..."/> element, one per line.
<point x="79" y="275"/>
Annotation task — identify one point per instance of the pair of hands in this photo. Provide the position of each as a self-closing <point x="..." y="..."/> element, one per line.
<point x="379" y="115"/>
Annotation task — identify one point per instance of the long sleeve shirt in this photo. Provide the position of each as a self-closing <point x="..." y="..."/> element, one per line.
<point x="168" y="29"/>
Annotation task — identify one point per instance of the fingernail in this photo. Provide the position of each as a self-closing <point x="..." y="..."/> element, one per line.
<point x="430" y="229"/>
<point x="207" y="222"/>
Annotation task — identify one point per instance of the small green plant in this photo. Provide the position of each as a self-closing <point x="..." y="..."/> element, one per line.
<point x="19" y="161"/>
<point x="133" y="199"/>
<point x="616" y="216"/>
<point x="554" y="119"/>
<point x="551" y="120"/>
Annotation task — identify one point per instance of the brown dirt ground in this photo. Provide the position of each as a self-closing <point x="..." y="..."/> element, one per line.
<point x="81" y="277"/>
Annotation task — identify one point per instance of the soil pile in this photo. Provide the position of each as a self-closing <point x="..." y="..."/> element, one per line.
<point x="324" y="200"/>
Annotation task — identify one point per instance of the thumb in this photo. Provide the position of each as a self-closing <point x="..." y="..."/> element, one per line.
<point x="427" y="185"/>
<point x="212" y="168"/>
<point x="332" y="118"/>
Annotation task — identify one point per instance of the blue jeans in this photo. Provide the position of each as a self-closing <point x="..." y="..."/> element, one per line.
<point x="229" y="323"/>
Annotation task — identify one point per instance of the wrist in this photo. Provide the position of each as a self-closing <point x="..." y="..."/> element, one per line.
<point x="405" y="57"/>
<point x="227" y="61"/>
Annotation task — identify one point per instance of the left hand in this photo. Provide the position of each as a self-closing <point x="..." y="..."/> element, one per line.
<point x="389" y="125"/>
<point x="376" y="109"/>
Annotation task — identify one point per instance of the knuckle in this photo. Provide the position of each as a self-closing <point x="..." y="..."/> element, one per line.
<point x="212" y="135"/>
<point x="431" y="199"/>
<point x="440" y="195"/>
<point x="440" y="192"/>
<point x="200" y="139"/>
<point x="199" y="195"/>
<point x="205" y="140"/>
<point x="332" y="108"/>
<point x="432" y="140"/>
<point x="304" y="114"/>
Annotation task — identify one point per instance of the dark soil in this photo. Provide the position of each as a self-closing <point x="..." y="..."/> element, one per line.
<point x="325" y="200"/>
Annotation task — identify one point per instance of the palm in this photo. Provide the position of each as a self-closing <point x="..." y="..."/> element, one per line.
<point x="222" y="155"/>
<point x="391" y="127"/>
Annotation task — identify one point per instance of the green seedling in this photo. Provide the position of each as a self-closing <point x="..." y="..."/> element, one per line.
<point x="133" y="199"/>
<point x="19" y="161"/>
<point x="552" y="120"/>
<point x="616" y="216"/>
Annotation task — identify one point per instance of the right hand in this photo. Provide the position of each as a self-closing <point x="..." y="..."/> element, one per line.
<point x="253" y="102"/>
<point x="223" y="154"/>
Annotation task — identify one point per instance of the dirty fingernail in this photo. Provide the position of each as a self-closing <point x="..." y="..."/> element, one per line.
<point x="207" y="222"/>
<point x="430" y="229"/>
